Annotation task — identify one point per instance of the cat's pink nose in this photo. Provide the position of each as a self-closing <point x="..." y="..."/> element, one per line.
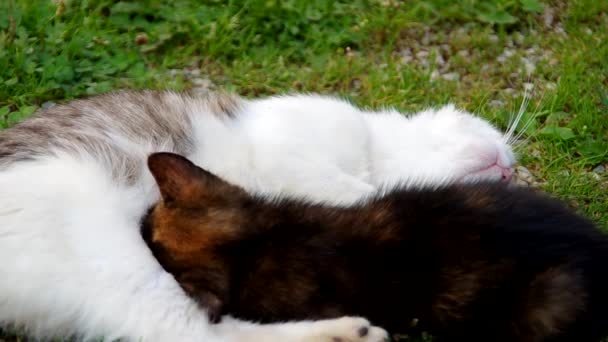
<point x="507" y="174"/>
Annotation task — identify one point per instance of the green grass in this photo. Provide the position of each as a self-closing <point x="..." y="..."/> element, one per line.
<point x="370" y="51"/>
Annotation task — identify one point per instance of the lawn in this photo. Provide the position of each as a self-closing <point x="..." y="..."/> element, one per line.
<point x="480" y="55"/>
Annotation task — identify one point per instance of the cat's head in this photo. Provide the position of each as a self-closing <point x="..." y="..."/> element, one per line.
<point x="189" y="229"/>
<point x="439" y="146"/>
<point x="478" y="150"/>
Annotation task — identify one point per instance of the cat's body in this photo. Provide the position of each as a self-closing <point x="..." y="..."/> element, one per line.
<point x="74" y="186"/>
<point x="478" y="262"/>
<point x="271" y="145"/>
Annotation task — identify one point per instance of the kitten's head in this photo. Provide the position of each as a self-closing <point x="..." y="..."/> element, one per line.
<point x="189" y="229"/>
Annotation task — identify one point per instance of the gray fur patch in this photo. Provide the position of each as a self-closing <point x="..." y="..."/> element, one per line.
<point x="161" y="119"/>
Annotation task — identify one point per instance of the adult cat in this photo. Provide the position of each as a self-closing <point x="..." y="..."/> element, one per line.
<point x="75" y="185"/>
<point x="472" y="262"/>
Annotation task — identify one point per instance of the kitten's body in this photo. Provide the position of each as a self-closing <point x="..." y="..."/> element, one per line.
<point x="74" y="185"/>
<point x="468" y="263"/>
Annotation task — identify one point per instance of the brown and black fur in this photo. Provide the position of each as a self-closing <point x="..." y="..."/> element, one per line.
<point x="481" y="262"/>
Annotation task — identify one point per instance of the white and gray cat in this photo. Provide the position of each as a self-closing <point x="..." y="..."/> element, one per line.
<point x="74" y="186"/>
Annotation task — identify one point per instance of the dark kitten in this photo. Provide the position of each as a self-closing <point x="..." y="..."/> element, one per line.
<point x="465" y="262"/>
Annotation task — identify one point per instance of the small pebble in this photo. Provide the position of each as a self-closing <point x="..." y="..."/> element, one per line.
<point x="519" y="182"/>
<point x="47" y="105"/>
<point x="451" y="76"/>
<point x="141" y="38"/>
<point x="439" y="59"/>
<point x="435" y="75"/>
<point x="426" y="40"/>
<point x="201" y="82"/>
<point x="548" y="16"/>
<point x="406" y="52"/>
<point x="422" y="54"/>
<point x="445" y="67"/>
<point x="201" y="86"/>
<point x="406" y="59"/>
<point x="463" y="31"/>
<point x="531" y="51"/>
<point x="191" y="73"/>
<point x="497" y="103"/>
<point x="174" y="72"/>
<point x="524" y="174"/>
<point x="530" y="67"/>
<point x="509" y="91"/>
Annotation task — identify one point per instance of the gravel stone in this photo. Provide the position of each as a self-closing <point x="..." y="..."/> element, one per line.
<point x="451" y="76"/>
<point x="497" y="103"/>
<point x="435" y="75"/>
<point x="599" y="169"/>
<point x="422" y="54"/>
<point x="47" y="105"/>
<point x="464" y="53"/>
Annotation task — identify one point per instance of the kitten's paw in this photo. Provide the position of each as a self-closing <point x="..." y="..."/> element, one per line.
<point x="349" y="329"/>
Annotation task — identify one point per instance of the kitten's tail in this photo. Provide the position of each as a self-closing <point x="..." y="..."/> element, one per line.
<point x="596" y="311"/>
<point x="553" y="302"/>
<point x="569" y="301"/>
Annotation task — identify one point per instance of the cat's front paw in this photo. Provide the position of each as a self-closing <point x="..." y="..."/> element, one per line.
<point x="349" y="329"/>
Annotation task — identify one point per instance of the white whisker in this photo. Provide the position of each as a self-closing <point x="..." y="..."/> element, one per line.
<point x="530" y="121"/>
<point x="524" y="129"/>
<point x="522" y="108"/>
<point x="518" y="145"/>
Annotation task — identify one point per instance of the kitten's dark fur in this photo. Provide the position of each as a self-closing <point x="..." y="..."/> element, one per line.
<point x="467" y="262"/>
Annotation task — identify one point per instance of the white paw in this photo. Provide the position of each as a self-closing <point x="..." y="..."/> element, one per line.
<point x="348" y="329"/>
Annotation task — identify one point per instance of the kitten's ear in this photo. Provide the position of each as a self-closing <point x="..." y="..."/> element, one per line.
<point x="177" y="177"/>
<point x="181" y="181"/>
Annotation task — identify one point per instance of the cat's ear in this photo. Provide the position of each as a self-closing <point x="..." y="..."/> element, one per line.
<point x="181" y="181"/>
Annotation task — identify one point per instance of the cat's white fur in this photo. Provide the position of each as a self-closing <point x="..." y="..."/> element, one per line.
<point x="328" y="150"/>
<point x="73" y="260"/>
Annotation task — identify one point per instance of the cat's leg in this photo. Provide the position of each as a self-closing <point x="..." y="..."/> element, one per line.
<point x="345" y="329"/>
<point x="74" y="263"/>
<point x="307" y="146"/>
<point x="310" y="177"/>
